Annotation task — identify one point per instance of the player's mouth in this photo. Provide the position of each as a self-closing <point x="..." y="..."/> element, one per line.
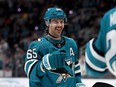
<point x="59" y="29"/>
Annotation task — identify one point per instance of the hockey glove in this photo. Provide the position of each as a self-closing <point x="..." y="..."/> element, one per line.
<point x="54" y="60"/>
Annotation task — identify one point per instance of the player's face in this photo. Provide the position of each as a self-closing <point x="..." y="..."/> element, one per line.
<point x="56" y="27"/>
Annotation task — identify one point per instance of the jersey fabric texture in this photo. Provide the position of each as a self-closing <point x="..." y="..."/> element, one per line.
<point x="39" y="77"/>
<point x="101" y="51"/>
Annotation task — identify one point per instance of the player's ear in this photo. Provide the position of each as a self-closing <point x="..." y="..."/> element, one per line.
<point x="46" y="22"/>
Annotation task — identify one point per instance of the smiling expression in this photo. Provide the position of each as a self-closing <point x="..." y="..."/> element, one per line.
<point x="56" y="27"/>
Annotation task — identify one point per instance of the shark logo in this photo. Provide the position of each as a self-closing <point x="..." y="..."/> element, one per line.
<point x="64" y="77"/>
<point x="69" y="61"/>
<point x="70" y="69"/>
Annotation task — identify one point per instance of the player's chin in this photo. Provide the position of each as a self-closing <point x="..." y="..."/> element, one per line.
<point x="58" y="34"/>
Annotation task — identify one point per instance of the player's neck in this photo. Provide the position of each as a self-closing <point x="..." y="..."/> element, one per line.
<point x="55" y="38"/>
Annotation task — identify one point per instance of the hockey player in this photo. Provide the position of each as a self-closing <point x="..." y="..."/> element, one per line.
<point x="101" y="51"/>
<point x="52" y="61"/>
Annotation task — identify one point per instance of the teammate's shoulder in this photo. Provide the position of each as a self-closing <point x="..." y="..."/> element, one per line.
<point x="108" y="13"/>
<point x="109" y="18"/>
<point x="112" y="10"/>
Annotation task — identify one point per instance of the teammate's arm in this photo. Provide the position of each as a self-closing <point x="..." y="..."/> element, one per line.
<point x="95" y="53"/>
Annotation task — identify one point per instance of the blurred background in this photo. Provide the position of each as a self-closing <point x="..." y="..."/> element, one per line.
<point x="21" y="22"/>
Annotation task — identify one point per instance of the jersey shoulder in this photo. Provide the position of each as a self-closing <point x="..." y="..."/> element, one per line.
<point x="37" y="43"/>
<point x="70" y="40"/>
<point x="110" y="12"/>
<point x="109" y="18"/>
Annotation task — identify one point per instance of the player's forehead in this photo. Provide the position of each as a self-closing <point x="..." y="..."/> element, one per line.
<point x="57" y="19"/>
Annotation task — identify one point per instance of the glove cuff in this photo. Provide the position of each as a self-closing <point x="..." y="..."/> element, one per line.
<point x="45" y="62"/>
<point x="43" y="69"/>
